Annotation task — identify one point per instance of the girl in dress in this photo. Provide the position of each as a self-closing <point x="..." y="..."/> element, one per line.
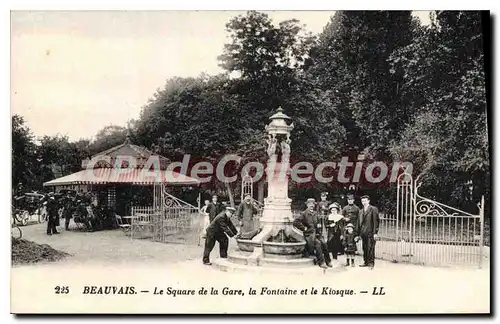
<point x="205" y="222"/>
<point x="334" y="222"/>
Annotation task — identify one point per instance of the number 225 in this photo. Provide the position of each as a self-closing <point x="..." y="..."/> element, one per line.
<point x="61" y="289"/>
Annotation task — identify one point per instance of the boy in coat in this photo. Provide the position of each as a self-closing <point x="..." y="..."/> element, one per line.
<point x="216" y="232"/>
<point x="349" y="241"/>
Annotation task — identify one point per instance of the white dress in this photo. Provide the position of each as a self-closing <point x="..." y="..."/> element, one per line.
<point x="206" y="222"/>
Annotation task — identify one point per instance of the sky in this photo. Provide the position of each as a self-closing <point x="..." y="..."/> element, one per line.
<point x="75" y="72"/>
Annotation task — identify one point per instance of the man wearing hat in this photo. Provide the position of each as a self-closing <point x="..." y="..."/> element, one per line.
<point x="367" y="229"/>
<point x="245" y="213"/>
<point x="52" y="207"/>
<point x="309" y="223"/>
<point x="351" y="211"/>
<point x="216" y="232"/>
<point x="214" y="208"/>
<point x="322" y="207"/>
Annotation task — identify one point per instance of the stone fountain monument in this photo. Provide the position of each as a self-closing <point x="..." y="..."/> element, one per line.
<point x="278" y="244"/>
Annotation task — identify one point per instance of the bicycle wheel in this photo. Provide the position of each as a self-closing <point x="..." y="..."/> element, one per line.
<point x="24" y="217"/>
<point x="42" y="215"/>
<point x="16" y="232"/>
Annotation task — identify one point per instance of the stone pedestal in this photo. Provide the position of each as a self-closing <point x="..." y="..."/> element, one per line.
<point x="278" y="242"/>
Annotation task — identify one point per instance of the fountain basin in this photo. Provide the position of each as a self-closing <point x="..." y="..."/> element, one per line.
<point x="284" y="248"/>
<point x="247" y="245"/>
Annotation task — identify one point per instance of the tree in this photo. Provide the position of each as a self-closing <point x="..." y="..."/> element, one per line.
<point x="58" y="157"/>
<point x="267" y="58"/>
<point x="23" y="147"/>
<point x="351" y="61"/>
<point x="107" y="138"/>
<point x="271" y="61"/>
<point x="448" y="135"/>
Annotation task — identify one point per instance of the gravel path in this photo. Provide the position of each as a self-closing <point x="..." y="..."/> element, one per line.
<point x="110" y="247"/>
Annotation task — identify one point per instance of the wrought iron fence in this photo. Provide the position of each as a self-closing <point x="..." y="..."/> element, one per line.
<point x="424" y="231"/>
<point x="142" y="222"/>
<point x="169" y="220"/>
<point x="170" y="225"/>
<point x="179" y="224"/>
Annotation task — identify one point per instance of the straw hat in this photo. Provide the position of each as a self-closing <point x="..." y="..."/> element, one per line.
<point x="334" y="205"/>
<point x="310" y="201"/>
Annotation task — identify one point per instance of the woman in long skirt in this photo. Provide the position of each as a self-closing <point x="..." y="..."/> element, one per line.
<point x="335" y="225"/>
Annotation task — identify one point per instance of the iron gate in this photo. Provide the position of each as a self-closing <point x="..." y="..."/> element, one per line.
<point x="424" y="231"/>
<point x="169" y="220"/>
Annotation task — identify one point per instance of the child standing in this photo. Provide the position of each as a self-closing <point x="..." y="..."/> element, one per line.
<point x="205" y="222"/>
<point x="349" y="242"/>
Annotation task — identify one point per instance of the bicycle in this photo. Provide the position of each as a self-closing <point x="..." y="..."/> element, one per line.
<point x="20" y="216"/>
<point x="42" y="214"/>
<point x="15" y="231"/>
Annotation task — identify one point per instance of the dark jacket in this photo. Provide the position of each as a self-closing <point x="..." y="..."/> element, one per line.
<point x="245" y="213"/>
<point x="322" y="207"/>
<point x="349" y="242"/>
<point x="214" y="209"/>
<point x="220" y="225"/>
<point x="308" y="222"/>
<point x="351" y="212"/>
<point x="368" y="222"/>
<point x="52" y="208"/>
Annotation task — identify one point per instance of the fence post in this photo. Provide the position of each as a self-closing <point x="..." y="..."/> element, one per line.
<point x="396" y="253"/>
<point x="132" y="213"/>
<point x="132" y="223"/>
<point x="481" y="239"/>
<point x="199" y="202"/>
<point x="412" y="218"/>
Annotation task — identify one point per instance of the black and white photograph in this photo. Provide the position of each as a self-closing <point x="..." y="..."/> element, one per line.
<point x="250" y="162"/>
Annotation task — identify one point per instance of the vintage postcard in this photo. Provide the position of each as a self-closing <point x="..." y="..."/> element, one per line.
<point x="237" y="162"/>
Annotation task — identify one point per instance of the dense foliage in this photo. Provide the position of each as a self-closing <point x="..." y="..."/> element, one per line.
<point x="376" y="81"/>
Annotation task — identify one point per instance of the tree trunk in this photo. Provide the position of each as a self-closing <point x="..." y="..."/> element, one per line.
<point x="230" y="194"/>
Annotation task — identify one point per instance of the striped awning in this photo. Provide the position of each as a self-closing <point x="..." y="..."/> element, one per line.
<point x="125" y="176"/>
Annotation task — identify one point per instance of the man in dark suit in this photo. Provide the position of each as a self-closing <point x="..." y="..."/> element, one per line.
<point x="367" y="229"/>
<point x="214" y="208"/>
<point x="216" y="232"/>
<point x="310" y="224"/>
<point x="53" y="214"/>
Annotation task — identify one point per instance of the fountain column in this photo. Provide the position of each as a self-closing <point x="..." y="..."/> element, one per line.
<point x="277" y="214"/>
<point x="277" y="236"/>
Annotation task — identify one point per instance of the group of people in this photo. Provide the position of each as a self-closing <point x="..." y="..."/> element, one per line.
<point x="217" y="227"/>
<point x="329" y="230"/>
<point x="68" y="206"/>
